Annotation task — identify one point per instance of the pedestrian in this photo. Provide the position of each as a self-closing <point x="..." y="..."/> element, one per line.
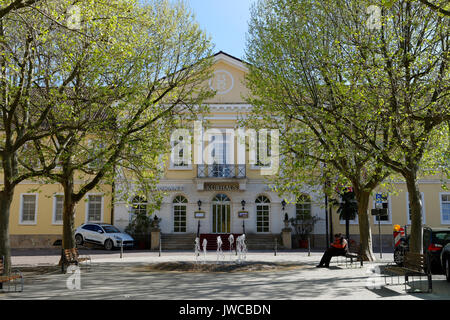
<point x="338" y="248"/>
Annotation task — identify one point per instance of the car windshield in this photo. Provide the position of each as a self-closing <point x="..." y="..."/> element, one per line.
<point x="111" y="229"/>
<point x="441" y="237"/>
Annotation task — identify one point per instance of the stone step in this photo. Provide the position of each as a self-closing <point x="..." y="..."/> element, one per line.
<point x="185" y="241"/>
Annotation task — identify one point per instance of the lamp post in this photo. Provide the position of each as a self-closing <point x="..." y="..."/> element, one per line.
<point x="243" y="220"/>
<point x="199" y="202"/>
<point x="283" y="204"/>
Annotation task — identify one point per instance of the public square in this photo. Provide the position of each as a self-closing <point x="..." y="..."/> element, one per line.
<point x="112" y="277"/>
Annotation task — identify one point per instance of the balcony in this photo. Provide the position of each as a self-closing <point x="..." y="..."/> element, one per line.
<point x="227" y="171"/>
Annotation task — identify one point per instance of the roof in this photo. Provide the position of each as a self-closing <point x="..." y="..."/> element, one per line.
<point x="232" y="60"/>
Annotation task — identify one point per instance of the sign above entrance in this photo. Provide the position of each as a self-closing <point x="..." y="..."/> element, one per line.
<point x="221" y="186"/>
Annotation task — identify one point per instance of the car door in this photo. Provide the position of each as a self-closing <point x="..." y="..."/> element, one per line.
<point x="88" y="232"/>
<point x="98" y="234"/>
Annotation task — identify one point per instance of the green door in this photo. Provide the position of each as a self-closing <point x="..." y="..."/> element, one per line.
<point x="221" y="214"/>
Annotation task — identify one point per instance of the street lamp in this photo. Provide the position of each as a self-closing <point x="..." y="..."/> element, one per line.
<point x="243" y="221"/>
<point x="199" y="202"/>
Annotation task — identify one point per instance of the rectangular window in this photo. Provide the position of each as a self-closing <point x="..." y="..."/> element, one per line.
<point x="95" y="152"/>
<point x="94" y="208"/>
<point x="264" y="153"/>
<point x="28" y="208"/>
<point x="445" y="208"/>
<point x="58" y="208"/>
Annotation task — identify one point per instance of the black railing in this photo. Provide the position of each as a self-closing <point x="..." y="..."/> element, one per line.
<point x="221" y="171"/>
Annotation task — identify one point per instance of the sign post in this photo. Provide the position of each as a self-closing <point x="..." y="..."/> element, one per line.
<point x="379" y="207"/>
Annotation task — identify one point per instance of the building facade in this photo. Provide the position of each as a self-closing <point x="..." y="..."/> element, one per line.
<point x="232" y="196"/>
<point x="223" y="189"/>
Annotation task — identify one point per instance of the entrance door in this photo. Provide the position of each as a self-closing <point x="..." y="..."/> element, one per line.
<point x="221" y="214"/>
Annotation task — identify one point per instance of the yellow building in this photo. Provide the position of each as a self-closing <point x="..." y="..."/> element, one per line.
<point x="232" y="196"/>
<point x="36" y="213"/>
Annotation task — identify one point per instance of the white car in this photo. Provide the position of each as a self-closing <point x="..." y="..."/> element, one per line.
<point x="102" y="234"/>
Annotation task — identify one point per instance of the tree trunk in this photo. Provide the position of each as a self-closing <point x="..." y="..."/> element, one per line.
<point x="347" y="229"/>
<point x="415" y="240"/>
<point x="365" y="233"/>
<point x="68" y="238"/>
<point x="5" y="247"/>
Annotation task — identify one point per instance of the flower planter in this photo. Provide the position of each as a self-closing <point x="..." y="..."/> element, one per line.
<point x="303" y="244"/>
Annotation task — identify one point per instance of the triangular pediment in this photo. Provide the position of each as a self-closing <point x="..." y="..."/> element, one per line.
<point x="228" y="79"/>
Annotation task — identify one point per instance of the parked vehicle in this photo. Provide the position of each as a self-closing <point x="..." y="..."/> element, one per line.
<point x="445" y="261"/>
<point x="102" y="234"/>
<point x="434" y="240"/>
<point x="400" y="250"/>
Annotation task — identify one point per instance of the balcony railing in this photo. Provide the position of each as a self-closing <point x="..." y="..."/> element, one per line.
<point x="221" y="171"/>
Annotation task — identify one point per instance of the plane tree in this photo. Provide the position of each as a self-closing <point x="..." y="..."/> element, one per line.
<point x="399" y="65"/>
<point x="122" y="119"/>
<point x="289" y="45"/>
<point x="80" y="93"/>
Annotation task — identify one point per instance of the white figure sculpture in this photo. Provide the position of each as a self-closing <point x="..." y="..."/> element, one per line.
<point x="231" y="241"/>
<point x="197" y="248"/>
<point x="220" y="254"/>
<point x="205" y="242"/>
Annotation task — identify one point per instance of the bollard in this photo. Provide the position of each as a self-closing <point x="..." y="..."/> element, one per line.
<point x="160" y="245"/>
<point x="309" y="246"/>
<point x="275" y="253"/>
<point x="121" y="250"/>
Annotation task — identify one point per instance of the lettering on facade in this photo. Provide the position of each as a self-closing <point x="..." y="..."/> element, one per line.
<point x="208" y="186"/>
<point x="169" y="188"/>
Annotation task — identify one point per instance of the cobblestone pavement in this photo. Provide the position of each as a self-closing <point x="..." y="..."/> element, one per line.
<point x="112" y="277"/>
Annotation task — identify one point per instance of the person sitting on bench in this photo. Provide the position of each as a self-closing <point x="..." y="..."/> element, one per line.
<point x="338" y="248"/>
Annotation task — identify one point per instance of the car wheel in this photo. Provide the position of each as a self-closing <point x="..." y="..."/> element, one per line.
<point x="109" y="245"/>
<point x="79" y="239"/>
<point x="447" y="269"/>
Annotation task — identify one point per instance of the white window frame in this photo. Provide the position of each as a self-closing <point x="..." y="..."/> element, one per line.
<point x="131" y="215"/>
<point x="34" y="222"/>
<point x="424" y="216"/>
<point x="86" y="219"/>
<point x="185" y="204"/>
<point x="255" y="166"/>
<point x="269" y="217"/>
<point x="186" y="167"/>
<point x="389" y="221"/>
<point x="54" y="221"/>
<point x="440" y="206"/>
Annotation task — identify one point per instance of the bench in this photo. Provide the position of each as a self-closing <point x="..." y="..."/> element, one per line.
<point x="353" y="255"/>
<point x="71" y="256"/>
<point x="414" y="265"/>
<point x="12" y="277"/>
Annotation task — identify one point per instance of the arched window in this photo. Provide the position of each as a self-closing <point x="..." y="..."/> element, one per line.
<point x="138" y="206"/>
<point x="262" y="214"/>
<point x="179" y="214"/>
<point x="303" y="206"/>
<point x="221" y="198"/>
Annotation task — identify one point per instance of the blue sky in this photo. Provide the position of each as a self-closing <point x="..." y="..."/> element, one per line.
<point x="225" y="21"/>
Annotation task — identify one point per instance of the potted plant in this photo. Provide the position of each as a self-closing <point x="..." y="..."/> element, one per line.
<point x="140" y="229"/>
<point x="303" y="226"/>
